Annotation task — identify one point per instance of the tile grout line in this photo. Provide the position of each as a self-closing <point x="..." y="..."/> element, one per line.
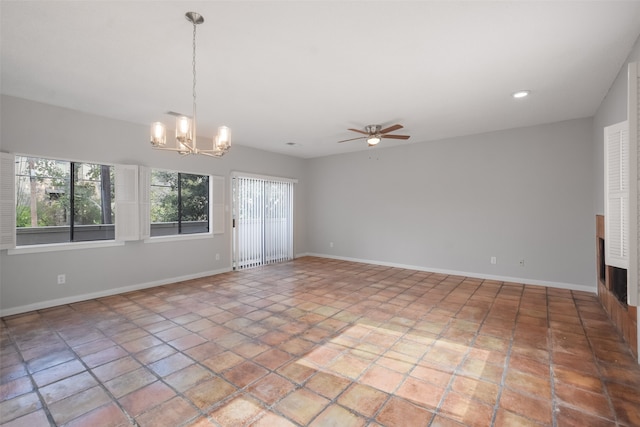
<point x="449" y="387"/>
<point x="554" y="397"/>
<point x="79" y="358"/>
<point x="597" y="363"/>
<point x="143" y="364"/>
<point x="355" y="380"/>
<point x="507" y="359"/>
<point x="241" y="391"/>
<point x="34" y="385"/>
<point x="202" y="412"/>
<point x="408" y="374"/>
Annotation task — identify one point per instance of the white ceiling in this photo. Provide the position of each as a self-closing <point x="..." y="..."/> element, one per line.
<point x="278" y="72"/>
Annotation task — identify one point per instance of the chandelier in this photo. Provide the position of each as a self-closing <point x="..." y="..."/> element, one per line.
<point x="185" y="125"/>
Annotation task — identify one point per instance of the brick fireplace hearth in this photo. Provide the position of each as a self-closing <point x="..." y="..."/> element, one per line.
<point x="623" y="316"/>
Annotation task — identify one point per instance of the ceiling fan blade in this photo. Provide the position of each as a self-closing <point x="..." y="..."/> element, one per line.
<point x="359" y="131"/>
<point x="395" y="136"/>
<point x="391" y="128"/>
<point x="353" y="139"/>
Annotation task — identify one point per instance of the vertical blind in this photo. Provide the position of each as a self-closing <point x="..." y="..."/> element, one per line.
<point x="263" y="214"/>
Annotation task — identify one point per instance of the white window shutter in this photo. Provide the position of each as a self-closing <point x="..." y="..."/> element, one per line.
<point x="217" y="204"/>
<point x="7" y="201"/>
<point x="616" y="156"/>
<point x="633" y="275"/>
<point x="145" y="202"/>
<point x="127" y="210"/>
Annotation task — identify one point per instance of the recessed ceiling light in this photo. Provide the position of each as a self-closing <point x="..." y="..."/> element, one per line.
<point x="521" y="94"/>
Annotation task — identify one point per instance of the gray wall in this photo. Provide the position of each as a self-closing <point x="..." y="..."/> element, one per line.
<point x="48" y="131"/>
<point x="451" y="205"/>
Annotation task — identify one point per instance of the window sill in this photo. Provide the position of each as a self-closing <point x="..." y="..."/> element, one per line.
<point x="57" y="247"/>
<point x="179" y="237"/>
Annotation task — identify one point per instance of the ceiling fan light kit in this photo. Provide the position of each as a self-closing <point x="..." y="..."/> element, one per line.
<point x="373" y="140"/>
<point x="374" y="134"/>
<point x="186" y="126"/>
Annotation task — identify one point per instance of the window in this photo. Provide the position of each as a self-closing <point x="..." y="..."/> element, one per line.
<point x="61" y="201"/>
<point x="179" y="203"/>
<point x="49" y="201"/>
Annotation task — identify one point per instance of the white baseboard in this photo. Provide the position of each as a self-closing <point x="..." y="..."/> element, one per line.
<point x="114" y="291"/>
<point x="106" y="293"/>
<point x="524" y="281"/>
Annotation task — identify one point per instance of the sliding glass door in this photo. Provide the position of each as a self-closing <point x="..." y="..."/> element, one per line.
<point x="262" y="220"/>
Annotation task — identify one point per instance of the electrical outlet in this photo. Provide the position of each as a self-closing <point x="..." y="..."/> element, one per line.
<point x="522" y="262"/>
<point x="330" y="244"/>
<point x="217" y="257"/>
<point x="62" y="279"/>
<point x="494" y="260"/>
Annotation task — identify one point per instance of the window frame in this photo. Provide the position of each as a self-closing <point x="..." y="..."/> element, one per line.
<point x="12" y="248"/>
<point x="72" y="225"/>
<point x="146" y="203"/>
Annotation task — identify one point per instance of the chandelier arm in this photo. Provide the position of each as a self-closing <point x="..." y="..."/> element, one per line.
<point x="179" y="150"/>
<point x="212" y="151"/>
<point x="188" y="146"/>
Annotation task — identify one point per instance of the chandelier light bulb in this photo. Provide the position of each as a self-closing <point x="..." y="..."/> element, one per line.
<point x="158" y="134"/>
<point x="183" y="129"/>
<point x="223" y="139"/>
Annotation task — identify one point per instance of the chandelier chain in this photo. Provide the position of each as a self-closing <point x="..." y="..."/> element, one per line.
<point x="194" y="81"/>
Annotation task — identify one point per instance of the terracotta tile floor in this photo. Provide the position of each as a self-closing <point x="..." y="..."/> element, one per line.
<point x="322" y="343"/>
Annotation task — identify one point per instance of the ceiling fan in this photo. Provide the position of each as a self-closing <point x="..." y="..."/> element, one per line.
<point x="375" y="133"/>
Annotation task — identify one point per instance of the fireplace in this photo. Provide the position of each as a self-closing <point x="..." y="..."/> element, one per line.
<point x="612" y="292"/>
<point x="602" y="268"/>
<point x="618" y="283"/>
